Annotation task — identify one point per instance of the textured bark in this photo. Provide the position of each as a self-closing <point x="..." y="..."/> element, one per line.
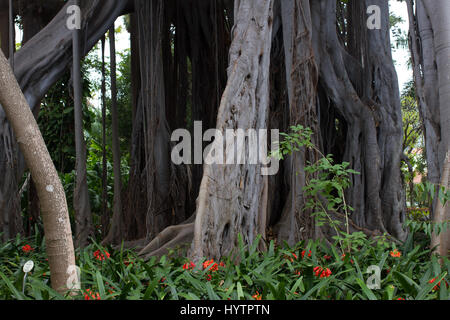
<point x="81" y="203"/>
<point x="439" y="11"/>
<point x="301" y="77"/>
<point x="157" y="188"/>
<point x="58" y="235"/>
<point x="441" y="215"/>
<point x="358" y="85"/>
<point x="233" y="198"/>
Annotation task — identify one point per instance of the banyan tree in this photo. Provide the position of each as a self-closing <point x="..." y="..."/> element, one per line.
<point x="242" y="64"/>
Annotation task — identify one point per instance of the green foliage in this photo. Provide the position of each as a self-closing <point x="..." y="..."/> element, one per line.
<point x="325" y="183"/>
<point x="280" y="273"/>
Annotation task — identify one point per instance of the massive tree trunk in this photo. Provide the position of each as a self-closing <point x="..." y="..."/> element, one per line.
<point x="358" y="91"/>
<point x="339" y="83"/>
<point x="350" y="98"/>
<point x="233" y="198"/>
<point x="429" y="44"/>
<point x="439" y="12"/>
<point x="55" y="214"/>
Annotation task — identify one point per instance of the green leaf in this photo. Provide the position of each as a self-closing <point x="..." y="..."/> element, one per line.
<point x="369" y="294"/>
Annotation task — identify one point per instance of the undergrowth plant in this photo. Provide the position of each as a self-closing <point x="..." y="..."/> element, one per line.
<point x="326" y="182"/>
<point x="310" y="270"/>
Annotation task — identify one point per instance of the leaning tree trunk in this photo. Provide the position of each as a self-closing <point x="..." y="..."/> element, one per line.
<point x="233" y="198"/>
<point x="81" y="202"/>
<point x="55" y="214"/>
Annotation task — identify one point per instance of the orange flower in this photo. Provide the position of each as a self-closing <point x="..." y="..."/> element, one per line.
<point x="396" y="254"/>
<point x="211" y="265"/>
<point x="257" y="296"/>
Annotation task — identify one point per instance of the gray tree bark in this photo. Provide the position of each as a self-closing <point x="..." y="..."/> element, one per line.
<point x="233" y="198"/>
<point x="439" y="12"/>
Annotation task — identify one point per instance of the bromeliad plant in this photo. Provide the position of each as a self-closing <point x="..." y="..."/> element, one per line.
<point x="325" y="186"/>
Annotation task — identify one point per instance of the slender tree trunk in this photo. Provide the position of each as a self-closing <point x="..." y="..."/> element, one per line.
<point x="105" y="215"/>
<point x="12" y="34"/>
<point x="58" y="234"/>
<point x="116" y="228"/>
<point x="81" y="203"/>
<point x="10" y="212"/>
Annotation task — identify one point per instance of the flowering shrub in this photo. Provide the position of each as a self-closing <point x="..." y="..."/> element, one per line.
<point x="309" y="270"/>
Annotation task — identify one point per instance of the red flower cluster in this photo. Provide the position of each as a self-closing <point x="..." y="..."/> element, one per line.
<point x="212" y="266"/>
<point x="188" y="266"/>
<point x="323" y="273"/>
<point x="99" y="256"/>
<point x="91" y="295"/>
<point x="27" y="248"/>
<point x="304" y="252"/>
<point x="396" y="254"/>
<point x="326" y="257"/>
